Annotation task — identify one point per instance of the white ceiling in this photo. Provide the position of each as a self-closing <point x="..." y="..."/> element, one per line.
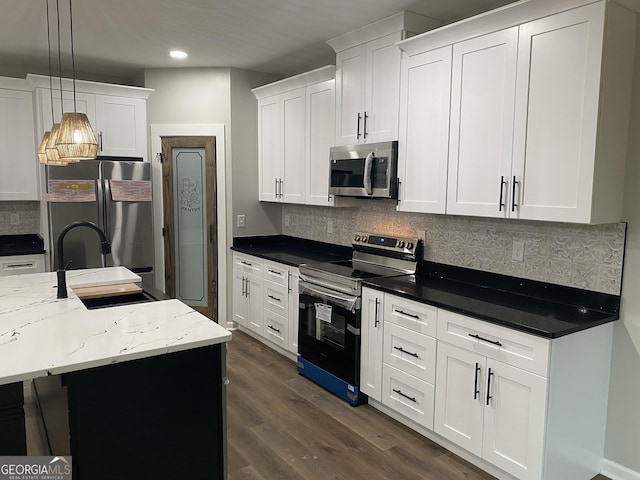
<point x="117" y="39"/>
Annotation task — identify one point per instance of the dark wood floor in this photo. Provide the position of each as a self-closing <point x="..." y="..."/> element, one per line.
<point x="283" y="426"/>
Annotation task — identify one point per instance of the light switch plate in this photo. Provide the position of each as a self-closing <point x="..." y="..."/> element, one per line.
<point x="242" y="221"/>
<point x="287" y="220"/>
<point x="14" y="219"/>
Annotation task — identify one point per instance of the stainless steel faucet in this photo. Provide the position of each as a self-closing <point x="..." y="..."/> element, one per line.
<point x="61" y="272"/>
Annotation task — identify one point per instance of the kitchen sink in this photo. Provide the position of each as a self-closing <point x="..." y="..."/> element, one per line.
<point x="114" y="301"/>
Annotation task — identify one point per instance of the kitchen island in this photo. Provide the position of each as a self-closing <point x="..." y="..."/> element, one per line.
<point x="145" y="382"/>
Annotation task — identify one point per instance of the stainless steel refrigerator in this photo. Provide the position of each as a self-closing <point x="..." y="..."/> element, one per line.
<point x="127" y="224"/>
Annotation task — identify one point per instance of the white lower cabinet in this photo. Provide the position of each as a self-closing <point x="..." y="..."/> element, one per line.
<point x="371" y="343"/>
<point x="265" y="300"/>
<point x="516" y="402"/>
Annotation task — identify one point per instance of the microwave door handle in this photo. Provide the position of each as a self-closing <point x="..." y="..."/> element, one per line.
<point x="368" y="164"/>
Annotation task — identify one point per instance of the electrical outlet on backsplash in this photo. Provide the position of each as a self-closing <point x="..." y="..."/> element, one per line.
<point x="28" y="214"/>
<point x="582" y="256"/>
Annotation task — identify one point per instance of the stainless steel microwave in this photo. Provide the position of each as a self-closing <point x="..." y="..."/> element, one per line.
<point x="365" y="170"/>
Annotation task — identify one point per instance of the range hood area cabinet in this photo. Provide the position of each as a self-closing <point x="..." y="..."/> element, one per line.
<point x="368" y="77"/>
<point x="295" y="132"/>
<point x="537" y="119"/>
<point x="18" y="162"/>
<point x="118" y="114"/>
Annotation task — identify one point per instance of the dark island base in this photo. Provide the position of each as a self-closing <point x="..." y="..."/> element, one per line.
<point x="160" y="417"/>
<point x="13" y="439"/>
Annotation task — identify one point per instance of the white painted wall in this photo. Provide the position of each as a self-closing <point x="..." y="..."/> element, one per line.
<point x="623" y="422"/>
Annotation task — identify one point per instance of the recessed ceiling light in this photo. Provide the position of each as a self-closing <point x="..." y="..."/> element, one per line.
<point x="178" y="54"/>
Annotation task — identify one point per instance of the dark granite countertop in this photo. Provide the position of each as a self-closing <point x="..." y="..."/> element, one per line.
<point x="290" y="250"/>
<point x="537" y="308"/>
<point x="27" y="244"/>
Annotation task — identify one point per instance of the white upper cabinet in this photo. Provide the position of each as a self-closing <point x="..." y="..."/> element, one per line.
<point x="368" y="78"/>
<point x="121" y="126"/>
<point x="295" y="132"/>
<point x="540" y="99"/>
<point x="320" y="129"/>
<point x="481" y="135"/>
<point x="18" y="162"/>
<point x="572" y="111"/>
<point x="423" y="146"/>
<point x="117" y="113"/>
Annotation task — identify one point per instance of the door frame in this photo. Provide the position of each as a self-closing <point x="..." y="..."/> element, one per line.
<point x="224" y="239"/>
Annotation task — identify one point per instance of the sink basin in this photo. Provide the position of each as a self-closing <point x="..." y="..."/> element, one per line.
<point x="114" y="301"/>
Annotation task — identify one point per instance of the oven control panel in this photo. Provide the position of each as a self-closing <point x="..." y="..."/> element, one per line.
<point x="385" y="242"/>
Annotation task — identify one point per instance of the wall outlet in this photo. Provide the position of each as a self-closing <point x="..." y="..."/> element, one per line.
<point x="517" y="253"/>
<point x="14" y="219"/>
<point x="330" y="225"/>
<point x="287" y="221"/>
<point x="242" y="221"/>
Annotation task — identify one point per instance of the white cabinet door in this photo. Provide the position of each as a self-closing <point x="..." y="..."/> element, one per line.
<point x="382" y="90"/>
<point x="276" y="328"/>
<point x="481" y="137"/>
<point x="269" y="138"/>
<point x="514" y="420"/>
<point x="371" y="343"/>
<point x="294" y="310"/>
<point x="121" y="126"/>
<point x="320" y="133"/>
<point x="240" y="302"/>
<point x="557" y="101"/>
<point x="18" y="160"/>
<point x="423" y="146"/>
<point x="255" y="315"/>
<point x="351" y="67"/>
<point x="292" y="169"/>
<point x="459" y="403"/>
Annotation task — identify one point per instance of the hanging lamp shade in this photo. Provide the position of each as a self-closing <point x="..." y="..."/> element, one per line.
<point x="42" y="149"/>
<point x="53" y="158"/>
<point x="76" y="140"/>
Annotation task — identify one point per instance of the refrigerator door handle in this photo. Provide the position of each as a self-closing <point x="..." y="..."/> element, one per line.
<point x="106" y="199"/>
<point x="101" y="206"/>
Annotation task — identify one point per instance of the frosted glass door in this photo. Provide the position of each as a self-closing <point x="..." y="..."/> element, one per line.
<point x="190" y="207"/>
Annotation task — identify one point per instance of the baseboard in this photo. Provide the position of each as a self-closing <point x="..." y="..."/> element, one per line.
<point x="615" y="471"/>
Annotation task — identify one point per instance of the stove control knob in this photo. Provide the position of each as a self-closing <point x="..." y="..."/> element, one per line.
<point x="357" y="238"/>
<point x="363" y="238"/>
<point x="401" y="244"/>
<point x="409" y="245"/>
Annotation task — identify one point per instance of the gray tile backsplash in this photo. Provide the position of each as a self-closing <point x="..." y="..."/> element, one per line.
<point x="28" y="217"/>
<point x="582" y="256"/>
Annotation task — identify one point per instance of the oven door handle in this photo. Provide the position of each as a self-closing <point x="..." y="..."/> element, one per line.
<point x="348" y="302"/>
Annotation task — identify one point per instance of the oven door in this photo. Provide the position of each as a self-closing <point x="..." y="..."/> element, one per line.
<point x="329" y="331"/>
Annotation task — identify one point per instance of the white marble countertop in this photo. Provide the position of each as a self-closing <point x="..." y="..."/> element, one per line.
<point x="41" y="335"/>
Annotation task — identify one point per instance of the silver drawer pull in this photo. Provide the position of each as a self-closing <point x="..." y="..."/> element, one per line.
<point x="21" y="265"/>
<point x="274" y="298"/>
<point x="408" y="353"/>
<point x="246" y="263"/>
<point x="399" y="392"/>
<point x="275" y="273"/>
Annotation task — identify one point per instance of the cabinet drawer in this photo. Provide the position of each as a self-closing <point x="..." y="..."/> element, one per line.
<point x="19" y="264"/>
<point x="410" y="352"/>
<point x="276" y="329"/>
<point x="247" y="264"/>
<point x="276" y="298"/>
<point x="415" y="316"/>
<point x="276" y="273"/>
<point x="407" y="395"/>
<point x="515" y="348"/>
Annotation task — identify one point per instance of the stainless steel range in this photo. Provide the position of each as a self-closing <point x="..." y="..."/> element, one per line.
<point x="329" y="302"/>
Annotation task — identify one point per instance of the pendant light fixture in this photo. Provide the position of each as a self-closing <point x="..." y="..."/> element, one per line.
<point x="75" y="140"/>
